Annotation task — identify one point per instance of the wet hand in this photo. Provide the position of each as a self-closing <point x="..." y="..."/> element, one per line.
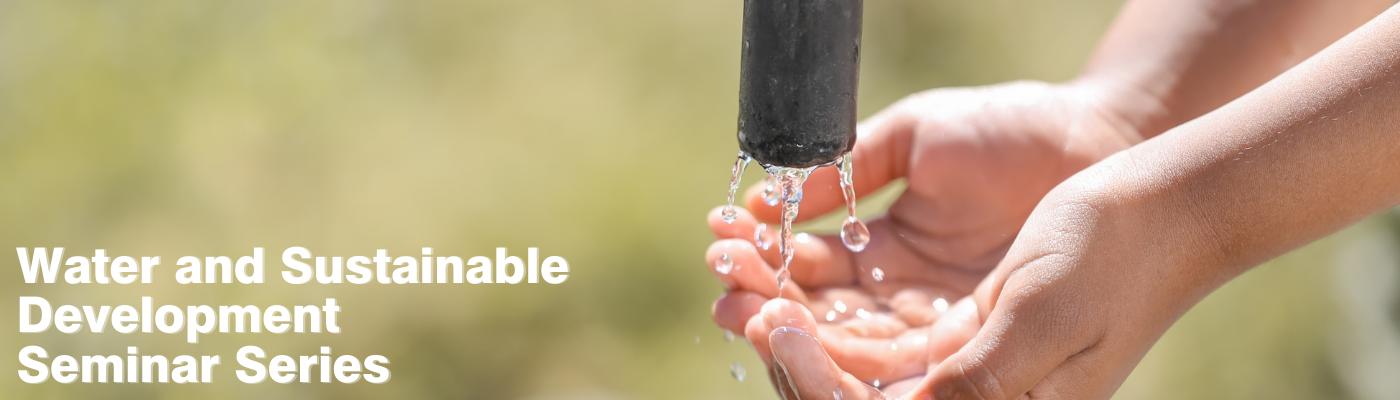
<point x="976" y="161"/>
<point x="1099" y="273"/>
<point x="801" y="365"/>
<point x="878" y="332"/>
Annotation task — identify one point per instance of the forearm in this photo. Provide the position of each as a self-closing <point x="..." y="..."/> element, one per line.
<point x="1309" y="153"/>
<point x="1164" y="62"/>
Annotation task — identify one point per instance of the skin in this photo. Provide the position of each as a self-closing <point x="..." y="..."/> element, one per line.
<point x="1115" y="255"/>
<point x="979" y="160"/>
<point x="976" y="159"/>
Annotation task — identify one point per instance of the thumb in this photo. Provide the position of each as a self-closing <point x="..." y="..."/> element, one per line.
<point x="1035" y="341"/>
<point x="803" y="370"/>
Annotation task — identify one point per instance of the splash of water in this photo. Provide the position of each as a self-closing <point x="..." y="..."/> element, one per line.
<point x="783" y="187"/>
<point x="770" y="191"/>
<point x="761" y="240"/>
<point x="739" y="165"/>
<point x="790" y="180"/>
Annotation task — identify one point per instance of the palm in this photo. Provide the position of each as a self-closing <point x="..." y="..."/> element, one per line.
<point x="878" y="331"/>
<point x="976" y="162"/>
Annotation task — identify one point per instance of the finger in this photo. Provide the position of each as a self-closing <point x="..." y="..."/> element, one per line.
<point x="811" y="260"/>
<point x="733" y="310"/>
<point x="901" y="388"/>
<point x="736" y="263"/>
<point x="953" y="330"/>
<point x="740" y="228"/>
<point x="825" y="261"/>
<point x="804" y="369"/>
<point x="918" y="307"/>
<point x="813" y="264"/>
<point x="781" y="312"/>
<point x="746" y="270"/>
<point x="839" y="304"/>
<point x="756" y="331"/>
<point x="773" y="314"/>
<point x="881" y="155"/>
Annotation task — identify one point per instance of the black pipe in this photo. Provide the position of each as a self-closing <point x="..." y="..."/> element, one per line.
<point x="797" y="80"/>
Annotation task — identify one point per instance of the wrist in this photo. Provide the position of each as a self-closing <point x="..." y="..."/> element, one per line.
<point x="1153" y="224"/>
<point x="1136" y="112"/>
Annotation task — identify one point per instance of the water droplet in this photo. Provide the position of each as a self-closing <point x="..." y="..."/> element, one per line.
<point x="830" y="316"/>
<point x="737" y="370"/>
<point x="860" y="312"/>
<point x="729" y="214"/>
<point x="940" y="305"/>
<point x="894" y="346"/>
<point x="759" y="239"/>
<point x="854" y="234"/>
<point x="878" y="274"/>
<point x="840" y="306"/>
<point x="836" y="395"/>
<point x="876" y="384"/>
<point x="771" y="192"/>
<point x="724" y="265"/>
<point x="728" y="336"/>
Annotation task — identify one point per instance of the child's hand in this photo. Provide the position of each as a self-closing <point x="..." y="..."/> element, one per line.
<point x="802" y="369"/>
<point x="875" y="331"/>
<point x="1110" y="260"/>
<point x="976" y="160"/>
<point x="1094" y="279"/>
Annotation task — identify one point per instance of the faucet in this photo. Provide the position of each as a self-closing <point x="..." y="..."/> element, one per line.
<point x="797" y="81"/>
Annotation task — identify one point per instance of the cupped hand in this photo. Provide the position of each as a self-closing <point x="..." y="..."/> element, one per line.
<point x="802" y="368"/>
<point x="879" y="333"/>
<point x="976" y="160"/>
<point x="1104" y="266"/>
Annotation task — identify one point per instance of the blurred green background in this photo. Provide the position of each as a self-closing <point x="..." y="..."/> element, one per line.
<point x="600" y="131"/>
